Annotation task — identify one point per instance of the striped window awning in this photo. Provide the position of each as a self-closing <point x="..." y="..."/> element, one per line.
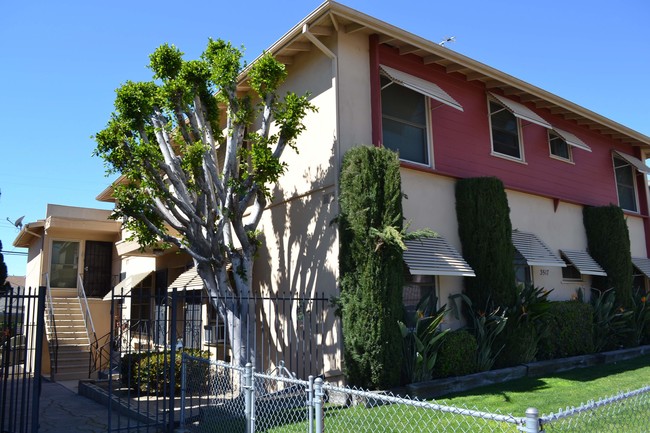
<point x="125" y="286"/>
<point x="534" y="251"/>
<point x="521" y="111"/>
<point x="633" y="161"/>
<point x="188" y="280"/>
<point x="419" y="85"/>
<point x="583" y="262"/>
<point x="435" y="256"/>
<point x="642" y="264"/>
<point x="571" y="139"/>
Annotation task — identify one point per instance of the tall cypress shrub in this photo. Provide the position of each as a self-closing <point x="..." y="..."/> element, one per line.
<point x="485" y="232"/>
<point x="371" y="267"/>
<point x="608" y="241"/>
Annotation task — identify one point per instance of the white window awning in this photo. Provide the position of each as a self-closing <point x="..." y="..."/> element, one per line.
<point x="571" y="139"/>
<point x="583" y="262"/>
<point x="521" y="111"/>
<point x="419" y="85"/>
<point x="642" y="264"/>
<point x="534" y="251"/>
<point x="188" y="280"/>
<point x="125" y="286"/>
<point x="434" y="256"/>
<point x="633" y="161"/>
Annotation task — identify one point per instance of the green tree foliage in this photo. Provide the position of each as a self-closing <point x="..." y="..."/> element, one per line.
<point x="608" y="241"/>
<point x="371" y="266"/>
<point x="197" y="168"/>
<point x="485" y="232"/>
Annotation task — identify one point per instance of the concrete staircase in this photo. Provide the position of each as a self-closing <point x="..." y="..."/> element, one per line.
<point x="73" y="355"/>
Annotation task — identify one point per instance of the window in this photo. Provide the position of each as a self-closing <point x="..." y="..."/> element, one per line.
<point x="215" y="330"/>
<point x="505" y="131"/>
<point x="523" y="274"/>
<point x="404" y="122"/>
<point x="559" y="147"/>
<point x="625" y="184"/>
<point x="65" y="264"/>
<point x="419" y="293"/>
<point x="570" y="272"/>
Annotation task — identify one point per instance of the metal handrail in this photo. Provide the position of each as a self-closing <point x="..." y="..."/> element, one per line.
<point x="88" y="319"/>
<point x="53" y="343"/>
<point x="99" y="353"/>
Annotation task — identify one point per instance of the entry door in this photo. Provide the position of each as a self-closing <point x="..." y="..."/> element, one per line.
<point x="97" y="268"/>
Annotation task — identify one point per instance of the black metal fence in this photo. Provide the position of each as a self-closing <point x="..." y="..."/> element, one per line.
<point x="21" y="342"/>
<point x="141" y="359"/>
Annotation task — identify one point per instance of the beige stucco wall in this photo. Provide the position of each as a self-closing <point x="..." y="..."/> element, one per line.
<point x="431" y="203"/>
<point x="299" y="252"/>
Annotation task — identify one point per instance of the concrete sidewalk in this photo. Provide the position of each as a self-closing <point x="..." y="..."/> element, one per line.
<point x="62" y="410"/>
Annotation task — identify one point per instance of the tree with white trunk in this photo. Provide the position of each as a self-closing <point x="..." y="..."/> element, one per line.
<point x="198" y="159"/>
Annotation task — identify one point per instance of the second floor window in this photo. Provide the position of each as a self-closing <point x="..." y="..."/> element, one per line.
<point x="404" y="122"/>
<point x="559" y="147"/>
<point x="625" y="184"/>
<point x="505" y="131"/>
<point x="65" y="264"/>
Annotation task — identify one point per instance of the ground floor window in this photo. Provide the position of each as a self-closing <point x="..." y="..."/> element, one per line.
<point x="419" y="294"/>
<point x="523" y="274"/>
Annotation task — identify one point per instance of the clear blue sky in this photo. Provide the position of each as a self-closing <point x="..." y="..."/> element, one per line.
<point x="60" y="63"/>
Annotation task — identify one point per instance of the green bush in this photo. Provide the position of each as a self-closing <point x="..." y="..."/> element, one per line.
<point x="148" y="372"/>
<point x="569" y="330"/>
<point x="457" y="354"/>
<point x="485" y="232"/>
<point x="371" y="266"/>
<point x="520" y="344"/>
<point x="608" y="241"/>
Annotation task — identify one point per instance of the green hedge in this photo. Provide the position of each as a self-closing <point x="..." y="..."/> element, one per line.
<point x="569" y="330"/>
<point x="608" y="241"/>
<point x="456" y="355"/>
<point x="485" y="232"/>
<point x="520" y="344"/>
<point x="371" y="266"/>
<point x="148" y="372"/>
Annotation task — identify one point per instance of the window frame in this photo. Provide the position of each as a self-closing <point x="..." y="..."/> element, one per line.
<point x="552" y="135"/>
<point x="633" y="172"/>
<point x="520" y="138"/>
<point x="77" y="266"/>
<point x="428" y="144"/>
<point x="570" y="267"/>
<point x="420" y="282"/>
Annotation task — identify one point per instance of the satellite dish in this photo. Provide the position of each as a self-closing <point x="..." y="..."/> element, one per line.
<point x="18" y="223"/>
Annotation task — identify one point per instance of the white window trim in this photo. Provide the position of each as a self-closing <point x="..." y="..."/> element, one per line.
<point x="522" y="159"/>
<point x="635" y="186"/>
<point x="550" y="149"/>
<point x="429" y="128"/>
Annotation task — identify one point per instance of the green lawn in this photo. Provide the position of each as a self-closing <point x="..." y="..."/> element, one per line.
<point x="547" y="394"/>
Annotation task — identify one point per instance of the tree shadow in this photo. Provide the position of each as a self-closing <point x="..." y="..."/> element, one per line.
<point x="296" y="275"/>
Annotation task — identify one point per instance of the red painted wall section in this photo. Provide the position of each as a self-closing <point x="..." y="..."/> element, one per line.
<point x="462" y="142"/>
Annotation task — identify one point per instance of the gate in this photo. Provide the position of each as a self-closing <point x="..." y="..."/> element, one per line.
<point x="22" y="326"/>
<point x="151" y="332"/>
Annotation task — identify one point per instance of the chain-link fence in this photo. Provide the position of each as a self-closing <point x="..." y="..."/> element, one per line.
<point x="627" y="412"/>
<point x="231" y="399"/>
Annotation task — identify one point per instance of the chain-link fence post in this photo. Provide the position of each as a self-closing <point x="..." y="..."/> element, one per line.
<point x="248" y="397"/>
<point x="310" y="404"/>
<point x="532" y="420"/>
<point x="318" y="404"/>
